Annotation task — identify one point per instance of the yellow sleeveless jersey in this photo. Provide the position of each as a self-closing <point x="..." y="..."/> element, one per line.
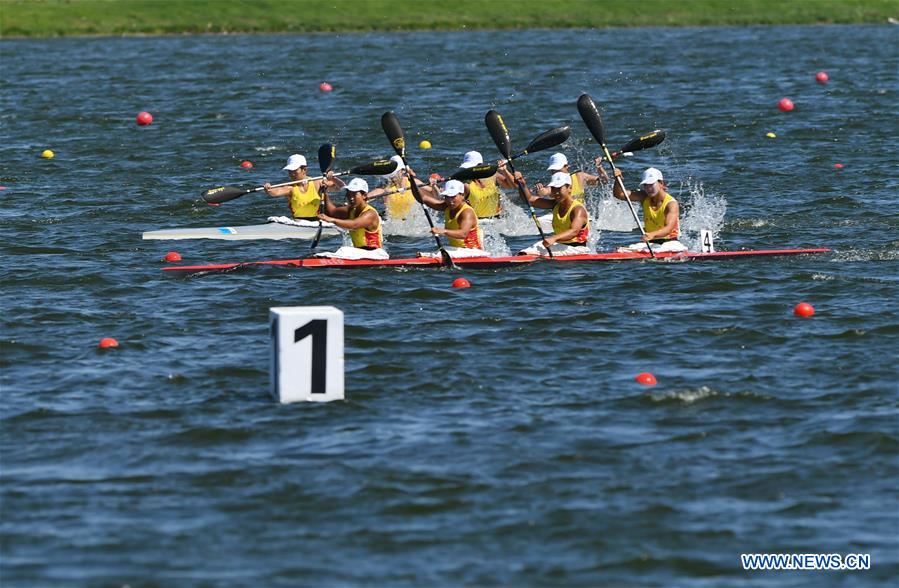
<point x="563" y="223"/>
<point x="304" y="203"/>
<point x="362" y="237"/>
<point x="400" y="204"/>
<point x="484" y="199"/>
<point x="576" y="189"/>
<point x="473" y="239"/>
<point x="654" y="219"/>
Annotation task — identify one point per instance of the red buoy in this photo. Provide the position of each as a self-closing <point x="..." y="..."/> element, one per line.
<point x="646" y="378"/>
<point x="838" y="165"/>
<point x="325" y="87"/>
<point x="246" y="164"/>
<point x="785" y="105"/>
<point x="144" y="118"/>
<point x="461" y="283"/>
<point x="172" y="256"/>
<point x="107" y="342"/>
<point x="804" y="309"/>
<point x="821" y="77"/>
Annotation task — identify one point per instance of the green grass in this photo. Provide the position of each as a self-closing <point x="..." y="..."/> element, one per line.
<point x="51" y="18"/>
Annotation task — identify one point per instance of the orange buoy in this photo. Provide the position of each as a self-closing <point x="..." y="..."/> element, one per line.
<point x="461" y="283"/>
<point x="172" y="256"/>
<point x="246" y="164"/>
<point x="804" y="309"/>
<point x="107" y="342"/>
<point x="646" y="378"/>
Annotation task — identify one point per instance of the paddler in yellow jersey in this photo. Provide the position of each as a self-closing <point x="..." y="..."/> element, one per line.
<point x="661" y="212"/>
<point x="398" y="198"/>
<point x="303" y="197"/>
<point x="460" y="223"/>
<point x="361" y="220"/>
<point x="579" y="179"/>
<point x="484" y="195"/>
<point x="571" y="224"/>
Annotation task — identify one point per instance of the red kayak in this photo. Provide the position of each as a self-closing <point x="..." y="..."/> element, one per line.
<point x="483" y="262"/>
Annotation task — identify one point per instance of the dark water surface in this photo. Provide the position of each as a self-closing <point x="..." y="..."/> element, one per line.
<point x="491" y="436"/>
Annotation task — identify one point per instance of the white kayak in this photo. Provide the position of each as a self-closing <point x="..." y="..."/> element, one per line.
<point x="277" y="227"/>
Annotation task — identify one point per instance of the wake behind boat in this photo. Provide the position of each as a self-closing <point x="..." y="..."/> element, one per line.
<point x="277" y="227"/>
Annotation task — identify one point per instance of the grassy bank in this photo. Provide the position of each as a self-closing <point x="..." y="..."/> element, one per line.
<point x="51" y="18"/>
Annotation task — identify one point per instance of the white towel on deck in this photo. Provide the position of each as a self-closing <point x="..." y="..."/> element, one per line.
<point x="286" y="220"/>
<point x="557" y="249"/>
<point x="456" y="252"/>
<point x="347" y="252"/>
<point x="666" y="247"/>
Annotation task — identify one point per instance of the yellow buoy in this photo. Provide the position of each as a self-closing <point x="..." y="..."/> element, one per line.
<point x="47" y="154"/>
<point x="425" y="144"/>
<point x="770" y="135"/>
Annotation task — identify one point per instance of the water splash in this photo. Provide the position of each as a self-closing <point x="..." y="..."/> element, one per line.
<point x="700" y="211"/>
<point x="414" y="224"/>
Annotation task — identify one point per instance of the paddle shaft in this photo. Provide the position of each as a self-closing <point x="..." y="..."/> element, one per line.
<point x="521" y="193"/>
<point x="590" y="114"/>
<point x="630" y="203"/>
<point x="394" y="131"/>
<point x="326" y="155"/>
<point x="413" y="185"/>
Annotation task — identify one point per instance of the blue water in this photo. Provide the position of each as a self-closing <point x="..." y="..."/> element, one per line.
<point x="490" y="436"/>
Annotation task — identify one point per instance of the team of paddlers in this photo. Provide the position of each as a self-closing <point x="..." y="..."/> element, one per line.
<point x="465" y="204"/>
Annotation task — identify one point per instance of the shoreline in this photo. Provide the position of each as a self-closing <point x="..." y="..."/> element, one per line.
<point x="409" y="31"/>
<point x="32" y="19"/>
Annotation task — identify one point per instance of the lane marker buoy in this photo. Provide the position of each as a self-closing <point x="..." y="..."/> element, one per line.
<point x="646" y="378"/>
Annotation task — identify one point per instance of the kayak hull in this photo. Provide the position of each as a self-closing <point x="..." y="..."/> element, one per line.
<point x="275" y="231"/>
<point x="485" y="262"/>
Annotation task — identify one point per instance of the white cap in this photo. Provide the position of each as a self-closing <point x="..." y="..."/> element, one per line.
<point x="651" y="176"/>
<point x="557" y="162"/>
<point x="559" y="179"/>
<point x="452" y="189"/>
<point x="471" y="159"/>
<point x="400" y="168"/>
<point x="357" y="185"/>
<point x="295" y="162"/>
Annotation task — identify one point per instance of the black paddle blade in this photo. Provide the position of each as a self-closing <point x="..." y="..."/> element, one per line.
<point x="593" y="120"/>
<point x="326" y="155"/>
<point x="382" y="167"/>
<point x="223" y="194"/>
<point x="394" y="131"/>
<point x="446" y="259"/>
<point x="550" y="138"/>
<point x="500" y="134"/>
<point x="478" y="172"/>
<point x="644" y="141"/>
